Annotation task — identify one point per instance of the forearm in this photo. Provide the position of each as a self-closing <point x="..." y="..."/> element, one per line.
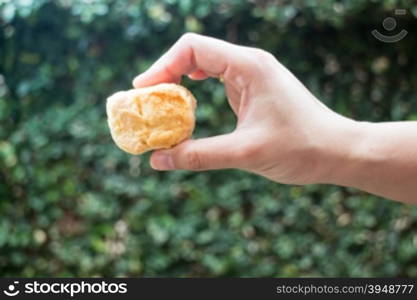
<point x="380" y="158"/>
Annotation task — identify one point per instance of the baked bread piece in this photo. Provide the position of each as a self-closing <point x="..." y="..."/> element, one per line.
<point x="149" y="118"/>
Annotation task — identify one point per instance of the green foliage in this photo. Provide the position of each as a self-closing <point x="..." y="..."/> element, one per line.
<point x="72" y="204"/>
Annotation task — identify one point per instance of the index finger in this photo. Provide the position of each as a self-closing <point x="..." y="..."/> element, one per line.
<point x="190" y="53"/>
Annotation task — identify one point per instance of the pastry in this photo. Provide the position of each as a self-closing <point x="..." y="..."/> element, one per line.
<point x="149" y="118"/>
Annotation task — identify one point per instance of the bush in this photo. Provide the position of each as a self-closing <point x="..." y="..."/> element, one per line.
<point x="72" y="204"/>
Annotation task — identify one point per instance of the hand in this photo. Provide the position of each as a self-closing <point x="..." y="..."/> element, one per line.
<point x="281" y="129"/>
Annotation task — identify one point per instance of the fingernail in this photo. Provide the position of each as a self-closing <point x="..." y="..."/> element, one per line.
<point x="136" y="80"/>
<point x="162" y="161"/>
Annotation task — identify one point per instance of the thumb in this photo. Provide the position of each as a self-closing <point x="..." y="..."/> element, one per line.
<point x="218" y="152"/>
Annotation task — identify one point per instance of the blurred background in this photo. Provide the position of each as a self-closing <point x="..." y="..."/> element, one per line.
<point x="73" y="204"/>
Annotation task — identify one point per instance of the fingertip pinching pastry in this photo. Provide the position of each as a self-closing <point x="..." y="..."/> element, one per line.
<point x="155" y="117"/>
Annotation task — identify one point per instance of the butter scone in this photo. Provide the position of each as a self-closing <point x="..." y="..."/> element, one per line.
<point x="150" y="118"/>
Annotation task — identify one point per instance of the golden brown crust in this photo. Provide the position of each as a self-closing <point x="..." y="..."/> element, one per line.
<point x="155" y="117"/>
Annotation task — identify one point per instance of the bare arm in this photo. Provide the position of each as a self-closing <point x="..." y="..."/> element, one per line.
<point x="380" y="158"/>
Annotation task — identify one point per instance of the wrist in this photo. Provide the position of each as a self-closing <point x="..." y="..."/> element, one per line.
<point x="343" y="152"/>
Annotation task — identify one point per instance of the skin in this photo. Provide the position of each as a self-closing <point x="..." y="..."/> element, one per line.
<point x="283" y="132"/>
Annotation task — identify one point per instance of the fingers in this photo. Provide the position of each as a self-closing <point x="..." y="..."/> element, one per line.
<point x="200" y="57"/>
<point x="195" y="55"/>
<point x="219" y="152"/>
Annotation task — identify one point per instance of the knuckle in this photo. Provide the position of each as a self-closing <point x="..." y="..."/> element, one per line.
<point x="262" y="57"/>
<point x="188" y="37"/>
<point x="193" y="160"/>
<point x="264" y="54"/>
<point x="265" y="62"/>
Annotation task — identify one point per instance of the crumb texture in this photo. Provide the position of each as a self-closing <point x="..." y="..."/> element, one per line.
<point x="150" y="118"/>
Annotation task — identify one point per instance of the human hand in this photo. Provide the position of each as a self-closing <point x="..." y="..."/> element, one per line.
<point x="283" y="132"/>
